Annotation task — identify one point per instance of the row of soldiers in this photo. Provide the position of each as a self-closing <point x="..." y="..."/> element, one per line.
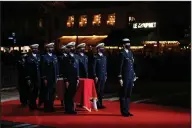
<point x="42" y="72"/>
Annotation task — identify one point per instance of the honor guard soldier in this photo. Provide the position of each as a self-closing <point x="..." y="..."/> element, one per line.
<point x="63" y="60"/>
<point x="126" y="77"/>
<point x="50" y="75"/>
<point x="22" y="81"/>
<point x="33" y="75"/>
<point x="83" y="61"/>
<point x="100" y="73"/>
<point x="72" y="79"/>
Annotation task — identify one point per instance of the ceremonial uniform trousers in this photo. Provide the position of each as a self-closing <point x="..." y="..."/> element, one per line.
<point x="72" y="76"/>
<point x="127" y="74"/>
<point x="100" y="71"/>
<point x="42" y="85"/>
<point x="33" y="74"/>
<point x="50" y="72"/>
<point x="63" y="60"/>
<point x="22" y="87"/>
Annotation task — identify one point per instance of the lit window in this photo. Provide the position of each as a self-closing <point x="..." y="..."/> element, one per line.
<point x="70" y="21"/>
<point x="97" y="19"/>
<point x="144" y="25"/>
<point x="131" y="19"/>
<point x="83" y="21"/>
<point x="111" y="19"/>
<point x="40" y="23"/>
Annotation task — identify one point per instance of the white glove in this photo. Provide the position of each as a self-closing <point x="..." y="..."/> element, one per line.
<point x="135" y="78"/>
<point x="96" y="79"/>
<point x="29" y="82"/>
<point x="77" y="83"/>
<point x="121" y="82"/>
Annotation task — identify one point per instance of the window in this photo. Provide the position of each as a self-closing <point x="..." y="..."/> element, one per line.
<point x="83" y="21"/>
<point x="96" y="20"/>
<point x="144" y="25"/>
<point x="70" y="21"/>
<point x="131" y="19"/>
<point x="111" y="19"/>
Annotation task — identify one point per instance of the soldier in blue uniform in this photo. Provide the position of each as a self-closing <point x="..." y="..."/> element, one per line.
<point x="22" y="81"/>
<point x="63" y="60"/>
<point x="126" y="77"/>
<point x="100" y="73"/>
<point x="83" y="61"/>
<point x="50" y="75"/>
<point x="33" y="75"/>
<point x="71" y="79"/>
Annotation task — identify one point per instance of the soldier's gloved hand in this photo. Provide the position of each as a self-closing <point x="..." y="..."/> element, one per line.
<point x="96" y="79"/>
<point x="45" y="82"/>
<point x="57" y="80"/>
<point x="67" y="84"/>
<point x="77" y="83"/>
<point x="121" y="82"/>
<point x="29" y="82"/>
<point x="135" y="78"/>
<point x="105" y="78"/>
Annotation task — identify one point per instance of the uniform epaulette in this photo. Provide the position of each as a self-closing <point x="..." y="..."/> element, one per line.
<point x="95" y="55"/>
<point x="121" y="52"/>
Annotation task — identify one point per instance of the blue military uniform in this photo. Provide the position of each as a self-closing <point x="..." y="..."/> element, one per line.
<point x="127" y="74"/>
<point x="100" y="71"/>
<point x="42" y="87"/>
<point x="50" y="72"/>
<point x="63" y="60"/>
<point x="33" y="74"/>
<point x="83" y="63"/>
<point x="72" y="76"/>
<point x="22" y="82"/>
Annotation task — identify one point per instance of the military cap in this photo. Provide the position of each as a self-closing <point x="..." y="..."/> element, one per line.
<point x="63" y="47"/>
<point x="126" y="41"/>
<point x="81" y="45"/>
<point x="34" y="46"/>
<point x="71" y="44"/>
<point x="50" y="45"/>
<point x="100" y="45"/>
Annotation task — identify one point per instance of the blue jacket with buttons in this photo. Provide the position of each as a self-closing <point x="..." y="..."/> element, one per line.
<point x="83" y="66"/>
<point x="33" y="68"/>
<point x="72" y="68"/>
<point x="50" y="70"/>
<point x="63" y="61"/>
<point x="126" y="70"/>
<point x="100" y="66"/>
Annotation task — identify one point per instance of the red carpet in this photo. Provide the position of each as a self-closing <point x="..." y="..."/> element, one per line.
<point x="145" y="116"/>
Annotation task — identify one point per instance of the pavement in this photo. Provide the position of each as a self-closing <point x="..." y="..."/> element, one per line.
<point x="177" y="99"/>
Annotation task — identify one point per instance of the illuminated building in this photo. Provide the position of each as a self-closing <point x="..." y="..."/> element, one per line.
<point x="111" y="19"/>
<point x="70" y="21"/>
<point x="96" y="20"/>
<point x="83" y="21"/>
<point x="137" y="17"/>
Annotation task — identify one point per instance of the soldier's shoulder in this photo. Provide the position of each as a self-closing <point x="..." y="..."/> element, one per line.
<point x="95" y="56"/>
<point x="54" y="55"/>
<point x="121" y="52"/>
<point x="76" y="55"/>
<point x="42" y="55"/>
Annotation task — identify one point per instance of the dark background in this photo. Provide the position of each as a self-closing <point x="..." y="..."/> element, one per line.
<point x="164" y="78"/>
